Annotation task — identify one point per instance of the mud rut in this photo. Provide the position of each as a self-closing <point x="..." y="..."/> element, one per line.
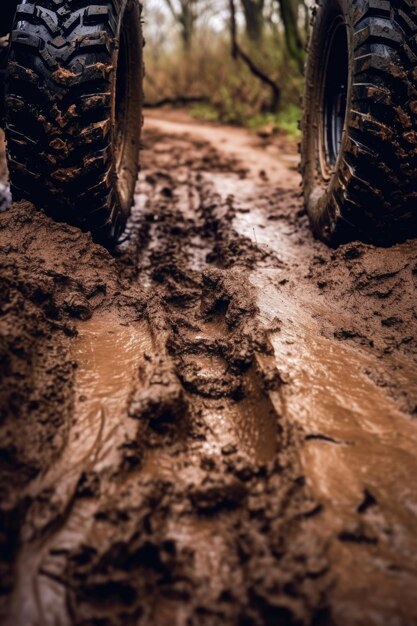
<point x="215" y="425"/>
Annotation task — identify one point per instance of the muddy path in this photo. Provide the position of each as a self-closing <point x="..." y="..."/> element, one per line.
<point x="216" y="423"/>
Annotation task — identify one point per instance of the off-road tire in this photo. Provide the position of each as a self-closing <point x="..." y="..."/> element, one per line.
<point x="368" y="189"/>
<point x="74" y="110"/>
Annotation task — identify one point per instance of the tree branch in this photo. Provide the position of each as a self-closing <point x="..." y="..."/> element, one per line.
<point x="172" y="9"/>
<point x="238" y="53"/>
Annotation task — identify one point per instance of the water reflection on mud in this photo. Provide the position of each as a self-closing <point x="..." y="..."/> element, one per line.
<point x="359" y="456"/>
<point x="107" y="355"/>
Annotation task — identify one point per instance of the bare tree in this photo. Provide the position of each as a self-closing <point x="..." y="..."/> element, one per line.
<point x="184" y="13"/>
<point x="289" y="10"/>
<point x="239" y="53"/>
<point x="253" y="11"/>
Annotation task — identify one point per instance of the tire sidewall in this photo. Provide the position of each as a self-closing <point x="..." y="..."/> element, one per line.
<point x="319" y="191"/>
<point x="130" y="10"/>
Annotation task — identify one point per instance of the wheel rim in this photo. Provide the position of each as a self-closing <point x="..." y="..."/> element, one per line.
<point x="334" y="95"/>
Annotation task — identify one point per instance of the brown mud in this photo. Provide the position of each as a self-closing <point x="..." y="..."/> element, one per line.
<point x="215" y="424"/>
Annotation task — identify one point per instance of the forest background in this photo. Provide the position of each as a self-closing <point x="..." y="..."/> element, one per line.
<point x="233" y="61"/>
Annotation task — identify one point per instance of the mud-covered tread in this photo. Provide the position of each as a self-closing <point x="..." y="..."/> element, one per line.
<point x="382" y="121"/>
<point x="60" y="71"/>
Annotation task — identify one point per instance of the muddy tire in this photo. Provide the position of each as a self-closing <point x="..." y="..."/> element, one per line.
<point x="359" y="147"/>
<point x="74" y="110"/>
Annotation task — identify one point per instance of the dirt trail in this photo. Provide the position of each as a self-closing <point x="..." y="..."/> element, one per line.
<point x="217" y="423"/>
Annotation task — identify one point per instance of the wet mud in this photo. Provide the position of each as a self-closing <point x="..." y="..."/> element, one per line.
<point x="215" y="423"/>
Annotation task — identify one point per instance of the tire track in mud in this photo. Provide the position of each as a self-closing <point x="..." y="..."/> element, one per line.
<point x="223" y="501"/>
<point x="192" y="440"/>
<point x="183" y="500"/>
<point x="62" y="511"/>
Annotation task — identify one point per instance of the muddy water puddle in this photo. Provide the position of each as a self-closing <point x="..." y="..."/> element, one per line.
<point x="331" y="395"/>
<point x="107" y="354"/>
<point x="356" y="435"/>
<point x="359" y="456"/>
<point x="108" y="358"/>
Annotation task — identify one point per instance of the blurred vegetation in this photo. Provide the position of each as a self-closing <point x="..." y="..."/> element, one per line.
<point x="233" y="61"/>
